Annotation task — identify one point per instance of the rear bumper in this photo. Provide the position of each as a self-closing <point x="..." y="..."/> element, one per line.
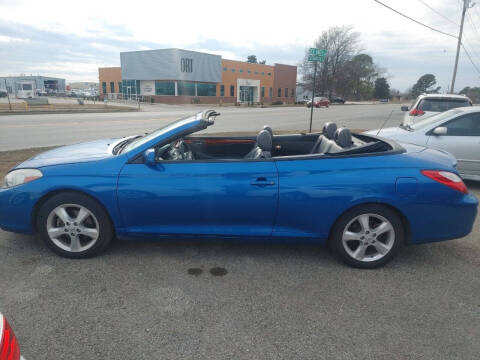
<point x="442" y="221"/>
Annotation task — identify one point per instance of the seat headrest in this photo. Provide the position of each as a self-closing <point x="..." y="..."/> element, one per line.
<point x="269" y="129"/>
<point x="329" y="129"/>
<point x="343" y="138"/>
<point x="264" y="140"/>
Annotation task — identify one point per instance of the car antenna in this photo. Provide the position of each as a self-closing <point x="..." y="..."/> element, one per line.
<point x="384" y="123"/>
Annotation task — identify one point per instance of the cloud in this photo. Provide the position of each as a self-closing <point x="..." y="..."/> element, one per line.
<point x="74" y="40"/>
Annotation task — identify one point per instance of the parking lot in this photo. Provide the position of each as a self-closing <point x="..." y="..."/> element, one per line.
<point x="233" y="300"/>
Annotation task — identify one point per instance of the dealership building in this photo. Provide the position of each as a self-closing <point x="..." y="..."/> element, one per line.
<point x="29" y="86"/>
<point x="176" y="76"/>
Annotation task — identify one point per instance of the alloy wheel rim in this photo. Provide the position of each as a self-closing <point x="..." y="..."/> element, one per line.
<point x="72" y="227"/>
<point x="368" y="237"/>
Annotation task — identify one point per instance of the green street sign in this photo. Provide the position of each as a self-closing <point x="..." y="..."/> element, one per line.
<point x="316" y="54"/>
<point x="315" y="51"/>
<point x="318" y="58"/>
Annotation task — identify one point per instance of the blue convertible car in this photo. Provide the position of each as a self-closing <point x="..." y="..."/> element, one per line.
<point x="363" y="195"/>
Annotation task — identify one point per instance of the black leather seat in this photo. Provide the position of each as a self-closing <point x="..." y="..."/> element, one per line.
<point x="263" y="146"/>
<point x="343" y="138"/>
<point x="325" y="141"/>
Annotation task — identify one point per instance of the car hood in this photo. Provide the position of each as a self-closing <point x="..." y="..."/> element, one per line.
<point x="82" y="152"/>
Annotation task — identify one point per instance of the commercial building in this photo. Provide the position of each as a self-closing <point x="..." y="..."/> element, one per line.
<point x="30" y="86"/>
<point x="176" y="76"/>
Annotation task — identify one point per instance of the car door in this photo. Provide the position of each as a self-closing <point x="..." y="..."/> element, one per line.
<point x="199" y="197"/>
<point x="463" y="141"/>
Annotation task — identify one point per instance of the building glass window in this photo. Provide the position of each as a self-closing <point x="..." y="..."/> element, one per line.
<point x="269" y="74"/>
<point x="263" y="72"/>
<point x="224" y="69"/>
<point x="279" y="92"/>
<point x="232" y="90"/>
<point x="233" y="70"/>
<point x="241" y="70"/>
<point x="206" y="89"/>
<point x="120" y="87"/>
<point x="186" y="88"/>
<point x="263" y="91"/>
<point x="249" y="72"/>
<point x="222" y="90"/>
<point x="256" y="72"/>
<point x="270" y="92"/>
<point x="286" y="92"/>
<point x="112" y="87"/>
<point x="164" y="88"/>
<point x="104" y="87"/>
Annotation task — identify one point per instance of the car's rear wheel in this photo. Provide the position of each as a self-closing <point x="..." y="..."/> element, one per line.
<point x="368" y="236"/>
<point x="74" y="225"/>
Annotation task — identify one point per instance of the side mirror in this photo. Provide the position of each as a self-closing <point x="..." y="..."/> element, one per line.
<point x="441" y="130"/>
<point x="149" y="156"/>
<point x="404" y="108"/>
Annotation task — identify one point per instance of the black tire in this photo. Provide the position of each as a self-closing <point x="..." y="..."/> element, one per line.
<point x="105" y="228"/>
<point x="336" y="235"/>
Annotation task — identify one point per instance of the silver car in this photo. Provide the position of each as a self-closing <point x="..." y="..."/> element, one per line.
<point x="427" y="105"/>
<point x="456" y="131"/>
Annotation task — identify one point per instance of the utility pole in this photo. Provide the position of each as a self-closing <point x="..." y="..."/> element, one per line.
<point x="466" y="5"/>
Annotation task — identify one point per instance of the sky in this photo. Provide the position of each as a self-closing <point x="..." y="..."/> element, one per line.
<point x="72" y="39"/>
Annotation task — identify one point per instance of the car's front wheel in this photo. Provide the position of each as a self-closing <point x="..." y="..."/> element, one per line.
<point x="74" y="225"/>
<point x="367" y="236"/>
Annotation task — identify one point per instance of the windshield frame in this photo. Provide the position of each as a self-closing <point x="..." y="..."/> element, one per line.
<point x="175" y="129"/>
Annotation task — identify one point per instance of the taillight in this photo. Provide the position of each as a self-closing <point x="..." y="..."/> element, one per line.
<point x="9" y="349"/>
<point x="417" y="112"/>
<point x="447" y="178"/>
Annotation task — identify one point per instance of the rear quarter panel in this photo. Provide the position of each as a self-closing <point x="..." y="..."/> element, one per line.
<point x="314" y="193"/>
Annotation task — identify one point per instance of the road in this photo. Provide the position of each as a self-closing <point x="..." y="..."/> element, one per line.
<point x="159" y="300"/>
<point x="230" y="300"/>
<point x="26" y="131"/>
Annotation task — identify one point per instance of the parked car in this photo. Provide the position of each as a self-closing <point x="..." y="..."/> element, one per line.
<point x="337" y="100"/>
<point x="363" y="195"/>
<point x="9" y="347"/>
<point x="427" y="105"/>
<point x="319" y="102"/>
<point x="456" y="131"/>
<point x="3" y="93"/>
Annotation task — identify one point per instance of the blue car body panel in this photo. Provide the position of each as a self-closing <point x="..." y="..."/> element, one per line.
<point x="298" y="197"/>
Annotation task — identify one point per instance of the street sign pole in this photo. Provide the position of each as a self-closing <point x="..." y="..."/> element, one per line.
<point x="313" y="94"/>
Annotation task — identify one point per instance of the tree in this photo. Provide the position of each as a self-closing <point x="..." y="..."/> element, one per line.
<point x="263" y="62"/>
<point x="252" y="59"/>
<point x="473" y="93"/>
<point x="425" y="84"/>
<point x="341" y="44"/>
<point x="357" y="76"/>
<point x="382" y="88"/>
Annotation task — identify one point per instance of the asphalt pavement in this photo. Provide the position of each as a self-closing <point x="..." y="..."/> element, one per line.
<point x="232" y="300"/>
<point x="26" y="131"/>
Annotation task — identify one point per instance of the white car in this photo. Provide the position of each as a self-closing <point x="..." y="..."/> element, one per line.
<point x="456" y="131"/>
<point x="427" y="105"/>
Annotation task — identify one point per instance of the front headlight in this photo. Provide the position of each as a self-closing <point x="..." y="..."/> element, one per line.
<point x="21" y="176"/>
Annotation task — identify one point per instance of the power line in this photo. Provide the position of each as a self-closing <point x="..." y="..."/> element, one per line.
<point x="416" y="21"/>
<point x="440" y="14"/>
<point x="472" y="23"/>
<point x="470" y="58"/>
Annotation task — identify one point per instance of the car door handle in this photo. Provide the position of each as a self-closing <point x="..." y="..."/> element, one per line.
<point x="262" y="181"/>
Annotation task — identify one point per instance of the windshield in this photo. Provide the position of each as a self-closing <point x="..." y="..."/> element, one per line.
<point x="163" y="130"/>
<point x="433" y="119"/>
